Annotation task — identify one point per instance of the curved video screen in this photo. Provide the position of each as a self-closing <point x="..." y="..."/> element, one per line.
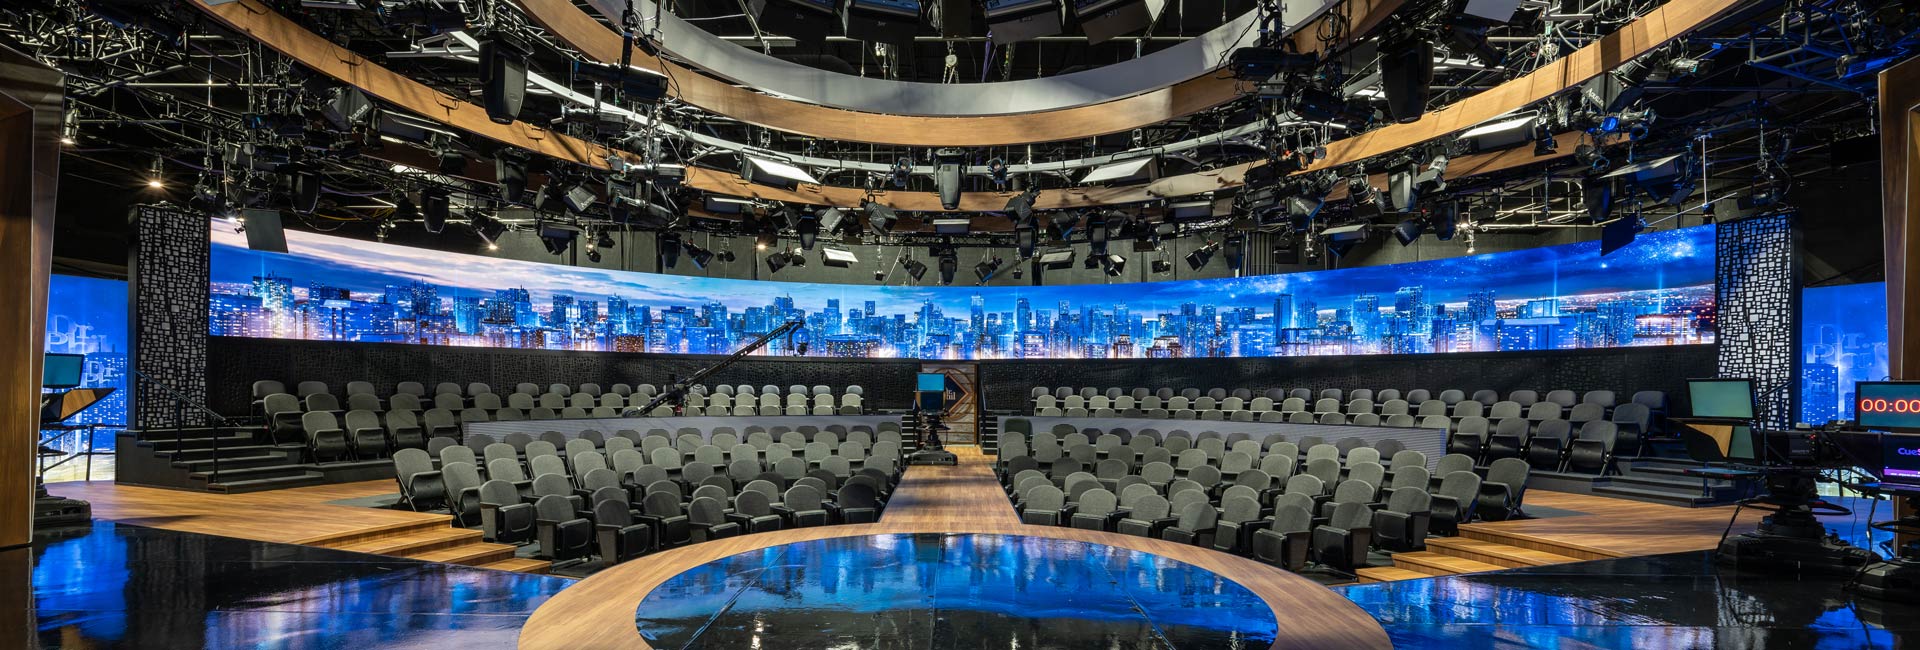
<point x="1657" y="291"/>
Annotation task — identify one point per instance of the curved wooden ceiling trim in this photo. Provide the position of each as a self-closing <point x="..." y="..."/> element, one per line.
<point x="1676" y="18"/>
<point x="573" y="26"/>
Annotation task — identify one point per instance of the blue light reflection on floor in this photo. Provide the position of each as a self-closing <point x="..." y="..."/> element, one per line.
<point x="115" y="586"/>
<point x="920" y="590"/>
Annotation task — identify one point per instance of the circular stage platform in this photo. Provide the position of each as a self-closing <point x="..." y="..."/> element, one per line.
<point x="932" y="590"/>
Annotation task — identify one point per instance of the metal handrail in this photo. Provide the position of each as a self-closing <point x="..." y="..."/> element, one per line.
<point x="180" y="404"/>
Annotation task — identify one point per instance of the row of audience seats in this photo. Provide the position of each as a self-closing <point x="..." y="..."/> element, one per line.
<point x="622" y="496"/>
<point x="1259" y="498"/>
<point x="368" y="425"/>
<point x="1242" y="405"/>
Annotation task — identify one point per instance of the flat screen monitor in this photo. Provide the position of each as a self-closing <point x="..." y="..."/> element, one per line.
<point x="1900" y="459"/>
<point x="1721" y="398"/>
<point x="932" y="400"/>
<point x="1887" y="405"/>
<point x="62" y="370"/>
<point x="932" y="381"/>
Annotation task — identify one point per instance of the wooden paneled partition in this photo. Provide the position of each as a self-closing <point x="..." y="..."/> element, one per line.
<point x="30" y="96"/>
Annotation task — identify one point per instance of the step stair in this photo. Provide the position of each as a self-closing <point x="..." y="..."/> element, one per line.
<point x="1436" y="564"/>
<point x="468" y="554"/>
<point x="1511" y="557"/>
<point x="415" y="543"/>
<point x="519" y="565"/>
<point x="1374" y="574"/>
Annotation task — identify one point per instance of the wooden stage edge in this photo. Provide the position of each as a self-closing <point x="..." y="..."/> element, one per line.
<point x="598" y="612"/>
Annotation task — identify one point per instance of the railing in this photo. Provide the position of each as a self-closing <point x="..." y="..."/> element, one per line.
<point x="181" y="403"/>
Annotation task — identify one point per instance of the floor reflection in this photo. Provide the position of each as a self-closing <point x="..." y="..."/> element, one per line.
<point x="114" y="586"/>
<point x="952" y="591"/>
<point x="1682" y="600"/>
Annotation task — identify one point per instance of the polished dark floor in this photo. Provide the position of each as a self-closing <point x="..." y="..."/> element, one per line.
<point x="115" y="586"/>
<point x="1681" y="600"/>
<point x="952" y="591"/>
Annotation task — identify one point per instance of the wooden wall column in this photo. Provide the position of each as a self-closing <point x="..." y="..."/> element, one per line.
<point x="30" y="98"/>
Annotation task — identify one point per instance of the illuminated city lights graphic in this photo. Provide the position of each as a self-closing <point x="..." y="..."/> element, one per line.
<point x="1658" y="291"/>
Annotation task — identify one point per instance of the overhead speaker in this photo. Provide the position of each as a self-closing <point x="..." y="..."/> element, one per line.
<point x="503" y="77"/>
<point x="434" y="205"/>
<point x="894" y="22"/>
<point x="1406" y="71"/>
<point x="265" y="232"/>
<point x="306" y="192"/>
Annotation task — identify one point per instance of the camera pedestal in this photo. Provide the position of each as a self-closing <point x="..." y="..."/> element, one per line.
<point x="1791" y="538"/>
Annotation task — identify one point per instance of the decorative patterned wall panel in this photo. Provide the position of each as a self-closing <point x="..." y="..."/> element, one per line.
<point x="168" y="296"/>
<point x="1758" y="298"/>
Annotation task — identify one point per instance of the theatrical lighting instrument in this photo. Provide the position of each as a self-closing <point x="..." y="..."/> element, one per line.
<point x="1367" y="202"/>
<point x="949" y="263"/>
<point x="831" y="220"/>
<point x="1408" y="231"/>
<point x="893" y="22"/>
<point x="1115" y="264"/>
<point x="1596" y="195"/>
<point x="806" y="224"/>
<point x="696" y="254"/>
<point x="949" y="163"/>
<point x="1161" y="266"/>
<point x="1061" y="225"/>
<point x="306" y="190"/>
<point x="1097" y="232"/>
<point x="985" y="269"/>
<point x="1199" y="258"/>
<point x="556" y="237"/>
<point x="724" y="255"/>
<point x="510" y="172"/>
<point x="766" y="240"/>
<point x="1543" y="142"/>
<point x="915" y="268"/>
<point x="997" y="172"/>
<point x="1012" y="21"/>
<point x="70" y="128"/>
<point x="156" y="175"/>
<point x="1591" y="156"/>
<point x="432" y="15"/>
<point x="1262" y="63"/>
<point x="776" y="261"/>
<point x="1056" y="258"/>
<point x="880" y="218"/>
<point x="488" y="228"/>
<point x="1234" y="250"/>
<point x="576" y="197"/>
<point x="604" y="240"/>
<point x="1341" y="239"/>
<point x="666" y="245"/>
<point x="838" y="256"/>
<point x="774" y="173"/>
<point x="636" y="84"/>
<point x="901" y="173"/>
<point x="1621" y="232"/>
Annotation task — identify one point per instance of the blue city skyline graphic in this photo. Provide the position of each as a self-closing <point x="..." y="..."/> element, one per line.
<point x="1843" y="339"/>
<point x="88" y="316"/>
<point x="1658" y="291"/>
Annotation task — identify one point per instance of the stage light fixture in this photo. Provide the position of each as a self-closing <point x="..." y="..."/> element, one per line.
<point x="985" y="269"/>
<point x="892" y="22"/>
<point x="667" y="246"/>
<point x="156" y="175"/>
<point x="1097" y="232"/>
<point x="579" y="198"/>
<point x="1342" y="239"/>
<point x="605" y="240"/>
<point x="1233" y="248"/>
<point x="1262" y="63"/>
<point x="949" y="165"/>
<point x="1061" y="225"/>
<point x="1025" y="239"/>
<point x="346" y="107"/>
<point x="1012" y="21"/>
<point x="1367" y="202"/>
<point x="807" y="225"/>
<point x="901" y="173"/>
<point x="1592" y="157"/>
<point x="696" y="254"/>
<point x="949" y="264"/>
<point x="1056" y="258"/>
<point x="831" y="220"/>
<point x="434" y="16"/>
<point x="915" y="268"/>
<point x="557" y="238"/>
<point x="1618" y="234"/>
<point x="774" y="173"/>
<point x="1115" y="264"/>
<point x="488" y="228"/>
<point x="1199" y="258"/>
<point x="776" y="261"/>
<point x="766" y="240"/>
<point x="1596" y="195"/>
<point x="636" y="84"/>
<point x="1092" y="262"/>
<point x="997" y="172"/>
<point x="880" y="218"/>
<point x="434" y="208"/>
<point x="510" y="172"/>
<point x="1161" y="266"/>
<point x="1543" y="142"/>
<point x="1409" y="231"/>
<point x="306" y="191"/>
<point x="725" y="255"/>
<point x="70" y="128"/>
<point x="838" y="256"/>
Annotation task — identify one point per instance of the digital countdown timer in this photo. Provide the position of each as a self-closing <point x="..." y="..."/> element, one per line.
<point x="1888" y="405"/>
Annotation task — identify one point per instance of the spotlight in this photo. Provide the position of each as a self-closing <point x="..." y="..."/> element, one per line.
<point x="1061" y="226"/>
<point x="902" y="172"/>
<point x="306" y="191"/>
<point x="667" y="246"/>
<point x="605" y="240"/>
<point x="949" y="262"/>
<point x="1408" y="231"/>
<point x="1161" y="266"/>
<point x="1199" y="258"/>
<point x="555" y="237"/>
<point x="776" y="261"/>
<point x="1341" y="239"/>
<point x="1116" y="265"/>
<point x="1234" y="249"/>
<point x="593" y="256"/>
<point x="915" y="268"/>
<point x="1597" y="197"/>
<point x="699" y="256"/>
<point x="432" y="15"/>
<point x="725" y="255"/>
<point x="765" y="240"/>
<point x="503" y="76"/>
<point x="580" y="198"/>
<point x="1591" y="156"/>
<point x="807" y="225"/>
<point x="1367" y="201"/>
<point x="403" y="208"/>
<point x="1055" y="258"/>
<point x="1543" y="142"/>
<point x="838" y="257"/>
<point x="880" y="218"/>
<point x="1262" y="63"/>
<point x="70" y="129"/>
<point x="948" y="165"/>
<point x="997" y="171"/>
<point x="985" y="269"/>
<point x="488" y="228"/>
<point x="156" y="175"/>
<point x="510" y="171"/>
<point x="1025" y="239"/>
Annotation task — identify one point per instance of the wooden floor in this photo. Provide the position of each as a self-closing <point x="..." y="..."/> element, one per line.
<point x="599" y="611"/>
<point x="300" y="516"/>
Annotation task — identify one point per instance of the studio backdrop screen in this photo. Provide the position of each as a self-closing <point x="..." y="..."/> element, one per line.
<point x="1658" y="291"/>
<point x="1843" y="340"/>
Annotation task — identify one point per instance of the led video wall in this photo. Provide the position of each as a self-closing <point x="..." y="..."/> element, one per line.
<point x="1843" y="339"/>
<point x="89" y="316"/>
<point x="1658" y="291"/>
